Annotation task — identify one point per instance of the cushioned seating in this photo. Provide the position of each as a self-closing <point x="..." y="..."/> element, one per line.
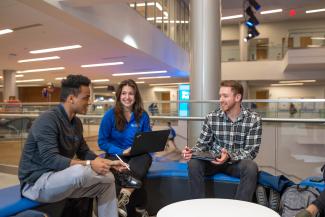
<point x="319" y="185"/>
<point x="167" y="182"/>
<point x="11" y="201"/>
<point x="179" y="169"/>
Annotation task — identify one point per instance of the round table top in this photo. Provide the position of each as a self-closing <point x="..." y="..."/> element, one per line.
<point x="212" y="207"/>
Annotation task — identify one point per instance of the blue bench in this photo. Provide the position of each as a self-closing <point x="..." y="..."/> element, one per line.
<point x="11" y="202"/>
<point x="166" y="183"/>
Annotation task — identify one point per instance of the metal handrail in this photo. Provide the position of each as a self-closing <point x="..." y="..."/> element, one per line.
<point x="274" y="120"/>
<point x="191" y="101"/>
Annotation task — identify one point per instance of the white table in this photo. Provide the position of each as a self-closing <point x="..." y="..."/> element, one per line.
<point x="215" y="208"/>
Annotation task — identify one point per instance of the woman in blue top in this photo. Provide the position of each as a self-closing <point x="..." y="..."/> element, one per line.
<point x="116" y="134"/>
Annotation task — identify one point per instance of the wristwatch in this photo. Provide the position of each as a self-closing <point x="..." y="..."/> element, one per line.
<point x="88" y="163"/>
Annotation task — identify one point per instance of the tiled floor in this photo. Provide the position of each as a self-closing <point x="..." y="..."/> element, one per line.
<point x="8" y="180"/>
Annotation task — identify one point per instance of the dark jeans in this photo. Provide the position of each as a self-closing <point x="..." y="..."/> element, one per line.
<point x="246" y="170"/>
<point x="139" y="166"/>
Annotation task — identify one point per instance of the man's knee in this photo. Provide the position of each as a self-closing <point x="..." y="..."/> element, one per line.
<point x="249" y="168"/>
<point x="195" y="165"/>
<point x="79" y="174"/>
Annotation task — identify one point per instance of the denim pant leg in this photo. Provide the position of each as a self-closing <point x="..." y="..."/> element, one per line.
<point x="74" y="182"/>
<point x="247" y="171"/>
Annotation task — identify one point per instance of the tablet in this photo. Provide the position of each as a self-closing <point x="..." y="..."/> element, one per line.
<point x="208" y="156"/>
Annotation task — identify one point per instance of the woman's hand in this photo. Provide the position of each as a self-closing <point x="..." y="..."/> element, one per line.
<point x="127" y="151"/>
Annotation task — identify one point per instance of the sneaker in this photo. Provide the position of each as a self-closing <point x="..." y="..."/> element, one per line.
<point x="123" y="200"/>
<point x="141" y="212"/>
<point x="125" y="180"/>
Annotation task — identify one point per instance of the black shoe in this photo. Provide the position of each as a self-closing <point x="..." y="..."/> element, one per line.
<point x="125" y="180"/>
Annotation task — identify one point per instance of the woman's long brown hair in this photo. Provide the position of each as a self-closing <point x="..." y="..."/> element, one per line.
<point x="137" y="108"/>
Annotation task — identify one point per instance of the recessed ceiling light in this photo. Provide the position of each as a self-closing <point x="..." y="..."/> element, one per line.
<point x="99" y="87"/>
<point x="41" y="70"/>
<point x="139" y="73"/>
<point x="318" y="38"/>
<point x="39" y="59"/>
<point x="102" y="64"/>
<point x="272" y="11"/>
<point x="298" y="81"/>
<point x="5" y="31"/>
<point x="30" y="80"/>
<point x="17" y="76"/>
<point x="60" y="78"/>
<point x="168" y="84"/>
<point x="314" y="45"/>
<point x="315" y="11"/>
<point x="143" y="78"/>
<point x="47" y="50"/>
<point x="232" y="17"/>
<point x="99" y="80"/>
<point x="140" y="82"/>
<point x="291" y="84"/>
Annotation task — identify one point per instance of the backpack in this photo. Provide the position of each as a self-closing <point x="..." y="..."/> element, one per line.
<point x="296" y="198"/>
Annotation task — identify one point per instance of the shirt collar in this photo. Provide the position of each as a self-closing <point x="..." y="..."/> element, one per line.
<point x="64" y="114"/>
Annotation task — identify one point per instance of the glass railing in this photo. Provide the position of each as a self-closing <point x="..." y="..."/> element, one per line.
<point x="306" y="38"/>
<point x="292" y="144"/>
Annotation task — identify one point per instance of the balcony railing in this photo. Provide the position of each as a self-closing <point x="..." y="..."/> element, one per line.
<point x="292" y="145"/>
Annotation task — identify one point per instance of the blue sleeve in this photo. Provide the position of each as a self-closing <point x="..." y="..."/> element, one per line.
<point x="105" y="134"/>
<point x="173" y="133"/>
<point x="146" y="122"/>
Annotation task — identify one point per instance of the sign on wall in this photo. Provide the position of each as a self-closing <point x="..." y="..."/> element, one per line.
<point x="184" y="94"/>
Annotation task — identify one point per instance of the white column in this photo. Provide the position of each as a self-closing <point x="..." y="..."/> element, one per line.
<point x="9" y="84"/>
<point x="243" y="46"/>
<point x="205" y="60"/>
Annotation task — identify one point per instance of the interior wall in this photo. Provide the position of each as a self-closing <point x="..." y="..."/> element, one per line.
<point x="34" y="94"/>
<point x="285" y="92"/>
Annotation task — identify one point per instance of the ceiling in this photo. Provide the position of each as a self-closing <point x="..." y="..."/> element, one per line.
<point x="36" y="29"/>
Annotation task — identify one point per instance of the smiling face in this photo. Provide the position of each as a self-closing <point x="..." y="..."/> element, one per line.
<point x="127" y="97"/>
<point x="81" y="101"/>
<point x="228" y="99"/>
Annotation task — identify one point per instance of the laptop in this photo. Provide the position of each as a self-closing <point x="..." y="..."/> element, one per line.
<point x="147" y="142"/>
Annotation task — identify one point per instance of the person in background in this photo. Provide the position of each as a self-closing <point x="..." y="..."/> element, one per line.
<point x="234" y="132"/>
<point x="48" y="170"/>
<point x="292" y="110"/>
<point x="116" y="135"/>
<point x="171" y="137"/>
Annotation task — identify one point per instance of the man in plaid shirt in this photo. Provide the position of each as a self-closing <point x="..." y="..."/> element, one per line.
<point x="233" y="134"/>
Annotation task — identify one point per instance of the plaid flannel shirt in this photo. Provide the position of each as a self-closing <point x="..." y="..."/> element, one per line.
<point x="241" y="138"/>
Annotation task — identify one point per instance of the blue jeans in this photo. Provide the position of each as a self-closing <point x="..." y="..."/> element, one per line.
<point x="75" y="182"/>
<point x="246" y="170"/>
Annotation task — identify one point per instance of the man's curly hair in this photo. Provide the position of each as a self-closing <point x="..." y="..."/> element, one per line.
<point x="71" y="85"/>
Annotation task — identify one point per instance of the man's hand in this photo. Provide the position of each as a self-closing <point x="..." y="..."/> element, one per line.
<point x="103" y="166"/>
<point x="187" y="153"/>
<point x="118" y="165"/>
<point x="127" y="151"/>
<point x="100" y="166"/>
<point x="223" y="158"/>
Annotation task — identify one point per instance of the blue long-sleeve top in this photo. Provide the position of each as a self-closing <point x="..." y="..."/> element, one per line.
<point x="113" y="141"/>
